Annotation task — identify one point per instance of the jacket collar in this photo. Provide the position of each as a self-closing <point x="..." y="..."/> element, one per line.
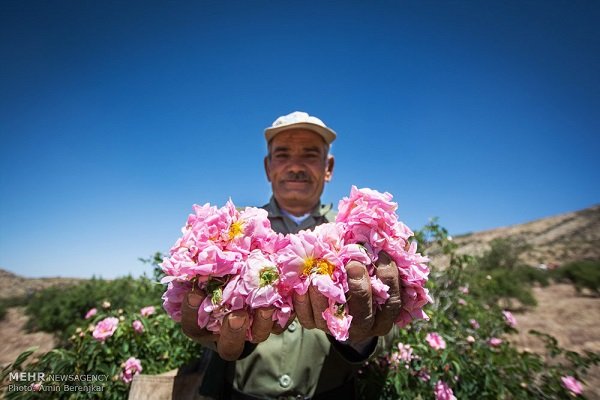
<point x="319" y="210"/>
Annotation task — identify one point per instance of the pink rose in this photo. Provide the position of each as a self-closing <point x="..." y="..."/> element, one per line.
<point x="131" y="367"/>
<point x="309" y="260"/>
<point x="405" y="352"/>
<point x="572" y="385"/>
<point x="260" y="286"/>
<point x="338" y="321"/>
<point x="509" y="319"/>
<point x="105" y="328"/>
<point x="379" y="290"/>
<point x="435" y="341"/>
<point x="138" y="326"/>
<point x="91" y="313"/>
<point x="443" y="392"/>
<point x="173" y="297"/>
<point x="146" y="311"/>
<point x="495" y="342"/>
<point x="393" y="359"/>
<point x="423" y="375"/>
<point x="470" y="339"/>
<point x="474" y="323"/>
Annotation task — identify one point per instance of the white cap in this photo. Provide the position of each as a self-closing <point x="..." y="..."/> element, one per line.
<point x="299" y="119"/>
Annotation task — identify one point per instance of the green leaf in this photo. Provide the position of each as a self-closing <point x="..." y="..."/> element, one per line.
<point x="24" y="356"/>
<point x="456" y="366"/>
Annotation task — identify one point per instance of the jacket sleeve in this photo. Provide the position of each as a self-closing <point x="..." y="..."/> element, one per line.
<point x="248" y="348"/>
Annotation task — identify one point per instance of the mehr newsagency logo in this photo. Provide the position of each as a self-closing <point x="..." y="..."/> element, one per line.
<point x="38" y="381"/>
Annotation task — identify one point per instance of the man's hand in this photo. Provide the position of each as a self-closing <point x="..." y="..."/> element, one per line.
<point x="367" y="321"/>
<point x="229" y="343"/>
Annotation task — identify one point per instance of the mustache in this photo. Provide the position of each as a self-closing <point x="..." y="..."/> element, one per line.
<point x="299" y="176"/>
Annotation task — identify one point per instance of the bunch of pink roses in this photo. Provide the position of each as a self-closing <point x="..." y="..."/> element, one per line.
<point x="369" y="218"/>
<point x="241" y="263"/>
<point x="229" y="255"/>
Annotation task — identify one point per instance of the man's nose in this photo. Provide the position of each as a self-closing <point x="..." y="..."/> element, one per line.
<point x="296" y="164"/>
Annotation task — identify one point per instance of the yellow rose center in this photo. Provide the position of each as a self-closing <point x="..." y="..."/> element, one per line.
<point x="321" y="267"/>
<point x="236" y="229"/>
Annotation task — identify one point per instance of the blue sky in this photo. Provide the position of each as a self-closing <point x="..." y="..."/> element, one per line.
<point x="116" y="117"/>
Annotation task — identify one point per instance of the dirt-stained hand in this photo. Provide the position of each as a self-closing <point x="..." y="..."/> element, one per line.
<point x="367" y="320"/>
<point x="229" y="343"/>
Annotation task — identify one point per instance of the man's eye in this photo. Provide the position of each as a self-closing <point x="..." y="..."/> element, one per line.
<point x="281" y="156"/>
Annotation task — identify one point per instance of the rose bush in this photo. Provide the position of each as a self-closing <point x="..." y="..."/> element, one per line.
<point x="115" y="344"/>
<point x="59" y="309"/>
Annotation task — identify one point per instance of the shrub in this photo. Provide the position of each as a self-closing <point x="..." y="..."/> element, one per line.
<point x="582" y="274"/>
<point x="9" y="302"/>
<point x="493" y="286"/>
<point x="58" y="309"/>
<point x="498" y="275"/>
<point x="503" y="253"/>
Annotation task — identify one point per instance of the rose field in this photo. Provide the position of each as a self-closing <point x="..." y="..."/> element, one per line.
<point x="497" y="329"/>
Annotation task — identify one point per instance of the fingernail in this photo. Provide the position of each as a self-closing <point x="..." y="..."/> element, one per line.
<point x="384" y="258"/>
<point x="356" y="272"/>
<point x="236" y="322"/>
<point x="301" y="298"/>
<point x="266" y="314"/>
<point x="194" y="300"/>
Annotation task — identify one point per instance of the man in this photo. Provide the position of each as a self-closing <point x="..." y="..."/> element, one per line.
<point x="300" y="360"/>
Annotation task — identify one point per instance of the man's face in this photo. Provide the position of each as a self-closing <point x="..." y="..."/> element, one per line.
<point x="298" y="167"/>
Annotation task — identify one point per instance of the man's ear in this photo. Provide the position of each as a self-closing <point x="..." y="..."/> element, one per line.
<point x="329" y="171"/>
<point x="267" y="168"/>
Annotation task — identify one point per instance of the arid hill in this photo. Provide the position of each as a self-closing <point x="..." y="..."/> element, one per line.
<point x="555" y="240"/>
<point x="12" y="285"/>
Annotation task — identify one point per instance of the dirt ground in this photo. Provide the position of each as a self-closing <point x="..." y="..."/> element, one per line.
<point x="573" y="319"/>
<point x="14" y="340"/>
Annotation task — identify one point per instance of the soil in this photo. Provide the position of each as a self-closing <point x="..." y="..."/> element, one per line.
<point x="14" y="339"/>
<point x="572" y="318"/>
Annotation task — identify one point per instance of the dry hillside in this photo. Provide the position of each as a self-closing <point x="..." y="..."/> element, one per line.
<point x="12" y="285"/>
<point x="555" y="240"/>
<point x="13" y="337"/>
